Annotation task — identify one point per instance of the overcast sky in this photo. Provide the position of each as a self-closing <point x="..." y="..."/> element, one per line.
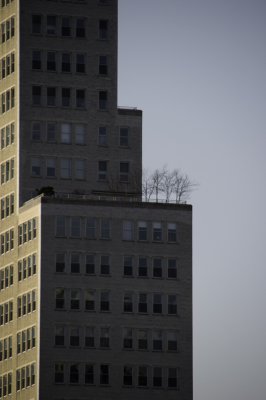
<point x="197" y="69"/>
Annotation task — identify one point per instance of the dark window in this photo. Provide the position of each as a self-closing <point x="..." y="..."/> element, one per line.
<point x="172" y="377"/>
<point x="75" y="299"/>
<point x="124" y="171"/>
<point x="171" y="232"/>
<point x="89" y="374"/>
<point x="80" y="28"/>
<point x="105" y="265"/>
<point x="157" y="377"/>
<point x="59" y="373"/>
<point x="51" y="61"/>
<point x="143" y="304"/>
<point x="123" y="139"/>
<point x="66" y="26"/>
<point x="103" y="66"/>
<point x="60" y="262"/>
<point x="89" y="337"/>
<point x="59" y="335"/>
<point x="60" y="298"/>
<point x="103" y="100"/>
<point x="36" y="131"/>
<point x="157" y="267"/>
<point x="128" y="265"/>
<point x="127" y="376"/>
<point x="157" y="304"/>
<point x="36" y="95"/>
<point x="74" y="337"/>
<point x="104" y="338"/>
<point x="128" y="338"/>
<point x="102" y="170"/>
<point x="104" y="304"/>
<point x="80" y="98"/>
<point x="102" y="138"/>
<point x="103" y="29"/>
<point x="90" y="264"/>
<point x="157" y="341"/>
<point x="143" y="266"/>
<point x="104" y="374"/>
<point x="51" y="96"/>
<point x="128" y="302"/>
<point x="51" y="25"/>
<point x="172" y="304"/>
<point x="66" y="96"/>
<point x="36" y="24"/>
<point x="36" y="59"/>
<point x="142" y="376"/>
<point x="80" y="63"/>
<point x="75" y="263"/>
<point x="172" y="268"/>
<point x="74" y="373"/>
<point x="142" y="340"/>
<point x="66" y="62"/>
<point x="142" y="230"/>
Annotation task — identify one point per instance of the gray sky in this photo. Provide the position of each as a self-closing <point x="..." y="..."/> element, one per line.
<point x="197" y="69"/>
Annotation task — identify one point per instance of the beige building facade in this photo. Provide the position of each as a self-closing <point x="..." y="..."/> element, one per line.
<point x="95" y="285"/>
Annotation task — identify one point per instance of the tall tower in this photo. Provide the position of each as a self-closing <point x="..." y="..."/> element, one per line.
<point x="95" y="285"/>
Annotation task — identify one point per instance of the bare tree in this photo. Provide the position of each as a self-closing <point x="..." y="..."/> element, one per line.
<point x="157" y="181"/>
<point x="182" y="186"/>
<point x="147" y="187"/>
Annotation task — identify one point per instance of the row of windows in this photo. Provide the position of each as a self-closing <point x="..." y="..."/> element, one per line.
<point x="7" y="206"/>
<point x="26" y="303"/>
<point x="7" y="135"/>
<point x="7" y="65"/>
<point x="93" y="228"/>
<point x="7" y="29"/>
<point x="27" y="267"/>
<point x="65" y="168"/>
<point x="68" y="133"/>
<point x="89" y="300"/>
<point x="5" y="3"/>
<point x="5" y="384"/>
<point x="6" y="348"/>
<point x="101" y="337"/>
<point x="91" y="264"/>
<point x="7" y="170"/>
<point x="26" y="340"/>
<point x="53" y="61"/>
<point x="27" y="231"/>
<point x="65" y="26"/>
<point x="6" y="313"/>
<point x="62" y="97"/>
<point x="7" y="241"/>
<point x="25" y="377"/>
<point x="7" y="100"/>
<point x="137" y="375"/>
<point x="6" y="277"/>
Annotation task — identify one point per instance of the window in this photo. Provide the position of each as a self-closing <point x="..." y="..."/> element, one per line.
<point x="36" y="59"/>
<point x="143" y="266"/>
<point x="157" y="377"/>
<point x="75" y="299"/>
<point x="60" y="264"/>
<point x="172" y="268"/>
<point x="51" y="25"/>
<point x="89" y="336"/>
<point x="80" y="28"/>
<point x="142" y="230"/>
<point x="59" y="298"/>
<point x="91" y="228"/>
<point x="142" y="339"/>
<point x="105" y="265"/>
<point x="142" y="376"/>
<point x="104" y="301"/>
<point x="105" y="229"/>
<point x="36" y="166"/>
<point x="36" y="131"/>
<point x="124" y="137"/>
<point x="59" y="376"/>
<point x="51" y="61"/>
<point x="80" y="98"/>
<point x="128" y="302"/>
<point x="90" y="264"/>
<point x="66" y="62"/>
<point x="171" y="341"/>
<point x="89" y="300"/>
<point x="60" y="226"/>
<point x="102" y="170"/>
<point x="59" y="335"/>
<point x="75" y="263"/>
<point x="128" y="265"/>
<point x="74" y="373"/>
<point x="143" y="303"/>
<point x="80" y="169"/>
<point x="128" y="230"/>
<point x="104" y="374"/>
<point x="75" y="227"/>
<point x="89" y="374"/>
<point x="105" y="337"/>
<point x="66" y="26"/>
<point x="66" y="97"/>
<point x="103" y="66"/>
<point x="80" y="63"/>
<point x="103" y="29"/>
<point x="172" y="377"/>
<point x="157" y="340"/>
<point x="74" y="336"/>
<point x="127" y="338"/>
<point x="66" y="133"/>
<point x="128" y="373"/>
<point x="157" y="268"/>
<point x="51" y="96"/>
<point x="80" y="134"/>
<point x="51" y="132"/>
<point x="102" y="137"/>
<point x="65" y="168"/>
<point x="171" y="232"/>
<point x="157" y="303"/>
<point x="157" y="231"/>
<point x="36" y="24"/>
<point x="36" y="95"/>
<point x="50" y="168"/>
<point x="124" y="171"/>
<point x="172" y="304"/>
<point x="103" y="100"/>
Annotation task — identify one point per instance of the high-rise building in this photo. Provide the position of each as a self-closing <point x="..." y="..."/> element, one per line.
<point x="95" y="284"/>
